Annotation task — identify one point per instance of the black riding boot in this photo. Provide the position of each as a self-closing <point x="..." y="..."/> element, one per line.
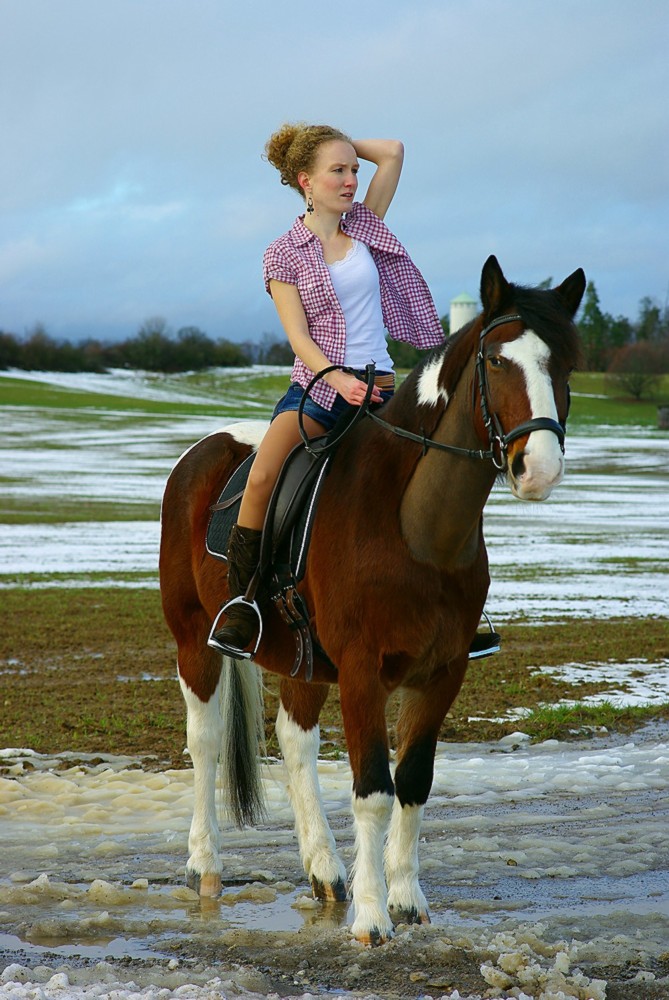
<point x="241" y="620"/>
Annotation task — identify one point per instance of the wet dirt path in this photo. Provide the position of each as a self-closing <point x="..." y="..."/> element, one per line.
<point x="556" y="854"/>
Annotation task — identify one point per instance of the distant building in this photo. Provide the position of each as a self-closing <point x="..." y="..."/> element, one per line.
<point x="463" y="309"/>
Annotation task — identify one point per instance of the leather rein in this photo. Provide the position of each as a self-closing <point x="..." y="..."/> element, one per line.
<point x="498" y="441"/>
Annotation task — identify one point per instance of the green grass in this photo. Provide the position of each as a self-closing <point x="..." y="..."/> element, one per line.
<point x="223" y="394"/>
<point x="63" y="650"/>
<point x="592" y="403"/>
<point x="50" y="510"/>
<point x="557" y="722"/>
<point x="229" y="394"/>
<point x="94" y="578"/>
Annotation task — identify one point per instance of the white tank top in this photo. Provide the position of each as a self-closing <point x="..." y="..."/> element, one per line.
<point x="356" y="284"/>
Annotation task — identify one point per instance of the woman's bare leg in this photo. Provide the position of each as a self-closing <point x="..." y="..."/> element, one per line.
<point x="281" y="437"/>
<point x="241" y="619"/>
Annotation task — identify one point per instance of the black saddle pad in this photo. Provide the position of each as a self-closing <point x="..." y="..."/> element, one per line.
<point x="224" y="512"/>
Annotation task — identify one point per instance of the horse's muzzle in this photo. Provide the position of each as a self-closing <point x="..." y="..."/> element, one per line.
<point x="535" y="471"/>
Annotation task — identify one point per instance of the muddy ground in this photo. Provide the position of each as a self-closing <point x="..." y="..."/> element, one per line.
<point x="95" y="670"/>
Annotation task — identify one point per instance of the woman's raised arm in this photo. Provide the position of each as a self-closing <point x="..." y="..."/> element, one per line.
<point x="388" y="155"/>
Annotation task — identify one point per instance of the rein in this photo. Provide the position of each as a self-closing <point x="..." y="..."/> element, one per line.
<point x="498" y="440"/>
<point x="321" y="445"/>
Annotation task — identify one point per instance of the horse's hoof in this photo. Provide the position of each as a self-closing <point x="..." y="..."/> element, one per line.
<point x="374" y="937"/>
<point x="410" y="916"/>
<point x="204" y="885"/>
<point x="329" y="892"/>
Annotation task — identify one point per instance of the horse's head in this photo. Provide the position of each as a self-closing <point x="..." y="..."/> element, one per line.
<point x="528" y="346"/>
<point x="512" y="365"/>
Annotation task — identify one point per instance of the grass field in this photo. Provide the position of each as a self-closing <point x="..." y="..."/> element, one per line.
<point x="229" y="393"/>
<point x="94" y="670"/>
<point x="87" y="666"/>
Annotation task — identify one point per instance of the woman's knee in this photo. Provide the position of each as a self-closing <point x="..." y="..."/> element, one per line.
<point x="261" y="479"/>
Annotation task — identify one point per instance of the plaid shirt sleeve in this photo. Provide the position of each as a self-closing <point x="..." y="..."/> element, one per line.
<point x="409" y="311"/>
<point x="277" y="265"/>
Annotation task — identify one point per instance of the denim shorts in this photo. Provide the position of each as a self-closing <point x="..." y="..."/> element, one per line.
<point x="326" y="418"/>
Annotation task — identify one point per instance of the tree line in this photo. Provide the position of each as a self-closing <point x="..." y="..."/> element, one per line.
<point x="632" y="353"/>
<point x="154" y="348"/>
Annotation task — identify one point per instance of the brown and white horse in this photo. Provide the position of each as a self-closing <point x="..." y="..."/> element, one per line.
<point x="396" y="581"/>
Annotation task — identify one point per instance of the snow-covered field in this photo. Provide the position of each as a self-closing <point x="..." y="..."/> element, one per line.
<point x="598" y="548"/>
<point x="542" y="858"/>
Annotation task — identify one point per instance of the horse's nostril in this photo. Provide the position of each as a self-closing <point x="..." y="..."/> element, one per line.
<point x="518" y="465"/>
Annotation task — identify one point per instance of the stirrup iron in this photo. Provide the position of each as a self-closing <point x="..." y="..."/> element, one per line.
<point x="236" y="654"/>
<point x="494" y="641"/>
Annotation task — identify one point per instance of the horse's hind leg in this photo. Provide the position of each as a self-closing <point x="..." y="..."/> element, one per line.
<point x="199" y="677"/>
<point x="299" y="738"/>
<point x="421" y="715"/>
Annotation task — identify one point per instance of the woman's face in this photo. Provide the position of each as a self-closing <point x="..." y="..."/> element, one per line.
<point x="333" y="180"/>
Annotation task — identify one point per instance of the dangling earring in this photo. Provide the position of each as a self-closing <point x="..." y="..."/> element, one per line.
<point x="310" y="205"/>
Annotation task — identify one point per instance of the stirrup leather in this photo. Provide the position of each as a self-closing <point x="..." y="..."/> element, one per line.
<point x="293" y="611"/>
<point x="237" y="654"/>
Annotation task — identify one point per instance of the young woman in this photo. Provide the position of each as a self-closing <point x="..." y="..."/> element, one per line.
<point x="339" y="279"/>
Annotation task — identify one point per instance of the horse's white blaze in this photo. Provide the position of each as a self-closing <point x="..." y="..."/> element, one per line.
<point x="404" y="891"/>
<point x="203" y="733"/>
<point x="543" y="465"/>
<point x="429" y="391"/>
<point x="317" y="846"/>
<point x="370" y="897"/>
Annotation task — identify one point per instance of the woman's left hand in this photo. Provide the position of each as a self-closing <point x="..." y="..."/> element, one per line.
<point x="353" y="389"/>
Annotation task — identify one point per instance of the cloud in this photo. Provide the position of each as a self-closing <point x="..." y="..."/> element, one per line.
<point x="132" y="181"/>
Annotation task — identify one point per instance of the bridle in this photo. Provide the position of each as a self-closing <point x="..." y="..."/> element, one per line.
<point x="499" y="442"/>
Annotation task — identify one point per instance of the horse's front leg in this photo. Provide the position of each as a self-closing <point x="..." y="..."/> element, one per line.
<point x="363" y="701"/>
<point x="421" y="715"/>
<point x="203" y="730"/>
<point x="299" y="738"/>
<point x="406" y="902"/>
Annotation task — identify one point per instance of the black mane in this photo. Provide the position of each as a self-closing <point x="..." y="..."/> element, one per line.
<point x="544" y="312"/>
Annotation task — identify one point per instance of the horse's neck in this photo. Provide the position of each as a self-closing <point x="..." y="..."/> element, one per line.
<point x="442" y="505"/>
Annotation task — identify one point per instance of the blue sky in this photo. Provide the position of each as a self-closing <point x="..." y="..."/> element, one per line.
<point x="132" y="183"/>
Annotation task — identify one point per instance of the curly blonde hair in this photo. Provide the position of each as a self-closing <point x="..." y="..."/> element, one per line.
<point x="294" y="146"/>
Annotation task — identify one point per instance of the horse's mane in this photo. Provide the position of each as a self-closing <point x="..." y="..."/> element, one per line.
<point x="450" y="358"/>
<point x="544" y="312"/>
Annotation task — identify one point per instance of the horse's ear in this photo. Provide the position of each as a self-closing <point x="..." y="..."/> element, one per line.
<point x="571" y="290"/>
<point x="494" y="287"/>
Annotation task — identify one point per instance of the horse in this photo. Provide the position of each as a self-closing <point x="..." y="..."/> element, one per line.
<point x="396" y="580"/>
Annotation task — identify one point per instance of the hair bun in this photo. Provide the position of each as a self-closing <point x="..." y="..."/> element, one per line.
<point x="293" y="148"/>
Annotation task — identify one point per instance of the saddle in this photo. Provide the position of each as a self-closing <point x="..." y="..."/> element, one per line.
<point x="285" y="538"/>
<point x="288" y="521"/>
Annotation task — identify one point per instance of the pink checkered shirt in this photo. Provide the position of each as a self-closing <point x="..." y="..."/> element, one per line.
<point x="408" y="310"/>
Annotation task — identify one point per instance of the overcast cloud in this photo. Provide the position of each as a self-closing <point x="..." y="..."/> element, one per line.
<point x="131" y="177"/>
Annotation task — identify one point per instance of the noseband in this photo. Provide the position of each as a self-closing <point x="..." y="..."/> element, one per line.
<point x="497" y="452"/>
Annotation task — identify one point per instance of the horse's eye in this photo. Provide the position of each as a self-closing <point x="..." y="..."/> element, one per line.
<point x="495" y="361"/>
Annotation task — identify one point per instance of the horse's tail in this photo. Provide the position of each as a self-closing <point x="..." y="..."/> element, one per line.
<point x="243" y="741"/>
